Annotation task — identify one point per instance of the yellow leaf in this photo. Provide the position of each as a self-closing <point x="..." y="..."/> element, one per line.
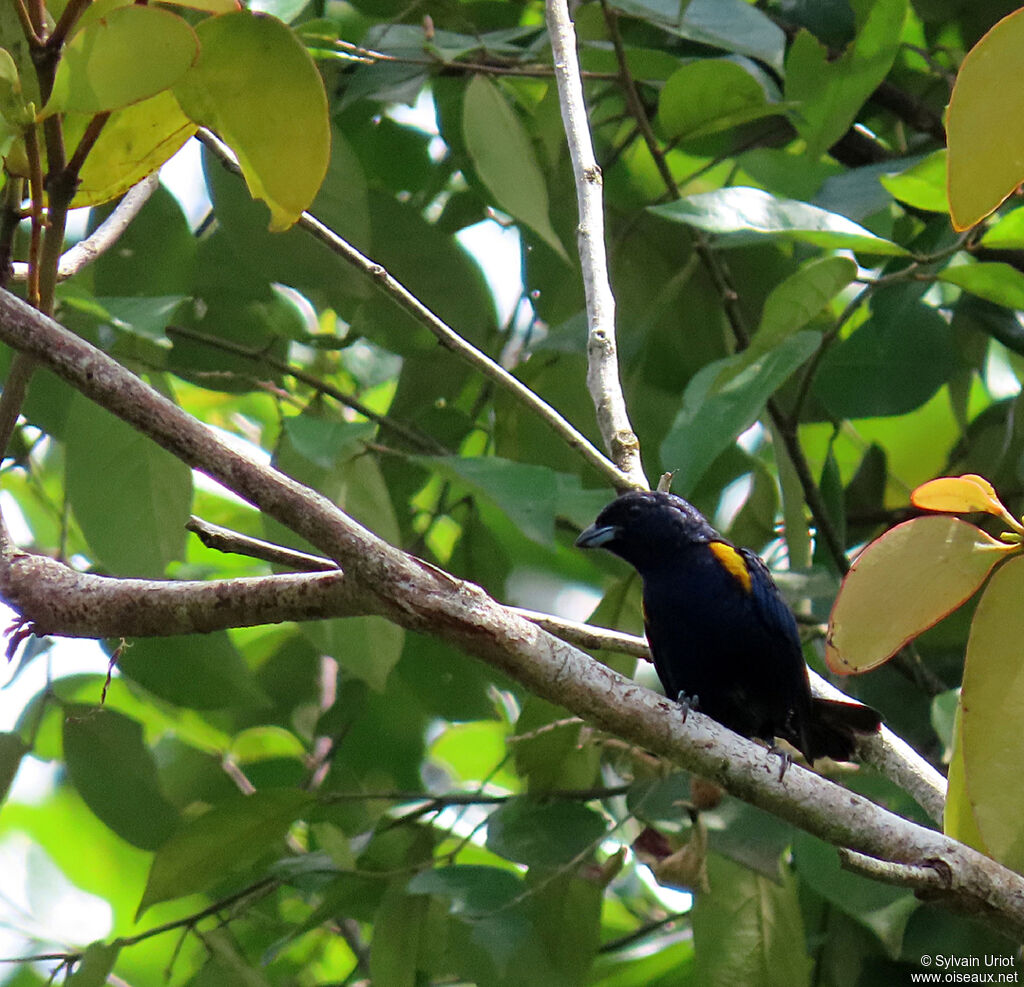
<point x="986" y="147"/>
<point x="992" y="715"/>
<point x="257" y="87"/>
<point x="959" y="495"/>
<point x="904" y="582"/>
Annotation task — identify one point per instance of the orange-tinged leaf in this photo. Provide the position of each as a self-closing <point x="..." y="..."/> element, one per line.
<point x="992" y="715"/>
<point x="958" y="494"/>
<point x="986" y="148"/>
<point x="257" y="87"/>
<point x="904" y="582"/>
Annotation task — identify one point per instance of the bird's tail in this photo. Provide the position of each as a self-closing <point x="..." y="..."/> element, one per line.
<point x="833" y="727"/>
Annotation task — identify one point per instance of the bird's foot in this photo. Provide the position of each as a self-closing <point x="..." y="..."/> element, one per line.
<point x="688" y="703"/>
<point x="785" y="759"/>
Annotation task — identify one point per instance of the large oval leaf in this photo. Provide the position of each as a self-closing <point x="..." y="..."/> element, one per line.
<point x="992" y="715"/>
<point x="750" y="214"/>
<point x="904" y="582"/>
<point x="257" y="87"/>
<point x="986" y="148"/>
<point x="123" y="57"/>
<point x="505" y="159"/>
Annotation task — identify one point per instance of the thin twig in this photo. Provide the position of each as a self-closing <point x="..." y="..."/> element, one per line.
<point x="603" y="379"/>
<point x="444" y="333"/>
<point x="228" y="541"/>
<point x="103" y="237"/>
<point x="425" y="442"/>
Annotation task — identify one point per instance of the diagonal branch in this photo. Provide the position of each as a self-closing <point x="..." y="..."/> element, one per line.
<point x="444" y="333"/>
<point x="421" y="597"/>
<point x="602" y="357"/>
<point x="103" y="237"/>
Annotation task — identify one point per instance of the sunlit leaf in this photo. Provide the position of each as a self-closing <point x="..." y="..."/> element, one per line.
<point x="992" y="280"/>
<point x="708" y="95"/>
<point x="923" y="185"/>
<point x="985" y="148"/>
<point x="958" y="818"/>
<point x="258" y="88"/>
<point x="744" y="215"/>
<point x="992" y="715"/>
<point x="904" y="582"/>
<point x="135" y="142"/>
<point x="959" y="495"/>
<point x="124" y="57"/>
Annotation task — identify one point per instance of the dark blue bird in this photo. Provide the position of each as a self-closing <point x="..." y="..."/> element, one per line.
<point x="723" y="639"/>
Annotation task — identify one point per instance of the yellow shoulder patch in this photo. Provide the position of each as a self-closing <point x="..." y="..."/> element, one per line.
<point x="732" y="561"/>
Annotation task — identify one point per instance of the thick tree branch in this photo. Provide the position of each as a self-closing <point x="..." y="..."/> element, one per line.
<point x="444" y="333"/>
<point x="602" y="357"/>
<point x="56" y="599"/>
<point x="888" y="753"/>
<point x="421" y="597"/>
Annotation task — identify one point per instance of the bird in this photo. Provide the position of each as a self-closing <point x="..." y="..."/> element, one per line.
<point x="723" y="640"/>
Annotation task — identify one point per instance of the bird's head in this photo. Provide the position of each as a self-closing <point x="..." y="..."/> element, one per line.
<point x="647" y="527"/>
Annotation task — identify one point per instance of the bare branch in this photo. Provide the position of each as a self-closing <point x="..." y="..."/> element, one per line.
<point x="444" y="333"/>
<point x="421" y="597"/>
<point x="104" y="236"/>
<point x="56" y="599"/>
<point x="225" y="540"/>
<point x="602" y="358"/>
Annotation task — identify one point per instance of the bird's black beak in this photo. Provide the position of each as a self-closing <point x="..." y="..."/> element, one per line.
<point x="597" y="536"/>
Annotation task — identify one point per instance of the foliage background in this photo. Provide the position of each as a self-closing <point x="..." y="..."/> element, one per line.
<point x="398" y="769"/>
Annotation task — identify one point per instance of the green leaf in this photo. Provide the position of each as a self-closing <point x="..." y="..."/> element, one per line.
<point x="1007" y="233"/>
<point x="993" y="280"/>
<point x="257" y="87"/>
<point x="130" y="497"/>
<point x="883" y="909"/>
<point x="992" y="715"/>
<point x="748" y="930"/>
<point x="830" y="91"/>
<point x="745" y="215"/>
<point x="123" y="57"/>
<point x="226" y="840"/>
<point x="709" y="95"/>
<point x="399" y="927"/>
<point x="528" y="494"/>
<point x="892" y="363"/>
<point x="543" y="834"/>
<point x="96" y="965"/>
<point x="505" y="159"/>
<point x="264" y="743"/>
<point x="114" y="771"/>
<point x="985" y="149"/>
<point x="724" y="399"/>
<point x="798" y="299"/>
<point x="922" y="185"/>
<point x="12" y="750"/>
<point x="200" y="671"/>
<point x="902" y="584"/>
<point x="471" y="890"/>
<point x="958" y="818"/>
